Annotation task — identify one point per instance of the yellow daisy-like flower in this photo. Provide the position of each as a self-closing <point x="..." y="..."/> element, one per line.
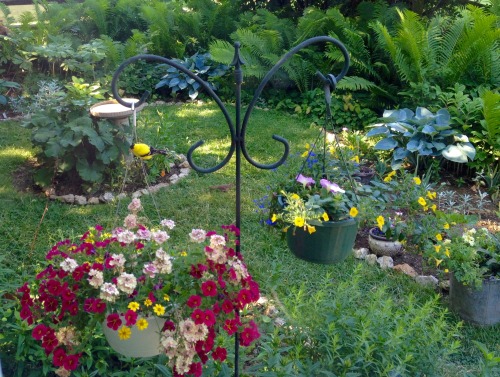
<point x="353" y="212"/>
<point x="311" y="229"/>
<point x="387" y="179"/>
<point x="417" y="180"/>
<point x="295" y="197"/>
<point x="274" y="218"/>
<point x="325" y="217"/>
<point x="389" y="176"/>
<point x="159" y="309"/>
<point x="422" y="202"/>
<point x="426" y="208"/>
<point x="431" y="195"/>
<point x="355" y="159"/>
<point x="433" y="207"/>
<point x="166" y="297"/>
<point x="305" y="154"/>
<point x="438" y="262"/>
<point x="446" y="226"/>
<point x="299" y="221"/>
<point x="134" y="306"/>
<point x="183" y="254"/>
<point x="437" y="247"/>
<point x="142" y="324"/>
<point x="308" y="146"/>
<point x="124" y="333"/>
<point x="439" y="237"/>
<point x="447" y="252"/>
<point x="380" y="222"/>
<point x="148" y="302"/>
<point x="446" y="270"/>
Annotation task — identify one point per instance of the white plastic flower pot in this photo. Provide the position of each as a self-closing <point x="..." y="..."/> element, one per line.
<point x="142" y="343"/>
<point x="381" y="246"/>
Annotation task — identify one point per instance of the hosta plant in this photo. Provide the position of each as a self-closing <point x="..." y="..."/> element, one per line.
<point x="119" y="278"/>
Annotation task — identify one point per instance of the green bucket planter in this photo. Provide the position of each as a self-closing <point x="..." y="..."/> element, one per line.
<point x="331" y="243"/>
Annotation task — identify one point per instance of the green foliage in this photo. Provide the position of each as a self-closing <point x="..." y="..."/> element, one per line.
<point x="421" y="135"/>
<point x="71" y="143"/>
<point x="5" y="87"/>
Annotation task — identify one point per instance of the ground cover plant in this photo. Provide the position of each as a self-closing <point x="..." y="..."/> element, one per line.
<point x="318" y="320"/>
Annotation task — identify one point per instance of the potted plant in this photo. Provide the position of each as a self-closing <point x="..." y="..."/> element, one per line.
<point x="319" y="220"/>
<point x="472" y="256"/>
<point x="386" y="237"/>
<point x="125" y="279"/>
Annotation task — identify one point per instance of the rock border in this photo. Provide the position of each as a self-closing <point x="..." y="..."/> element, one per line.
<point x="109" y="197"/>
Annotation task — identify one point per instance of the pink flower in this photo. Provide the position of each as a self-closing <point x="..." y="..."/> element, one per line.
<point x="196" y="369"/>
<point x="198" y="316"/>
<point x="130" y="318"/>
<point x="135" y="205"/>
<point x="306" y="181"/>
<point x="194" y="301"/>
<point x="59" y="357"/>
<point x="249" y="334"/>
<point x="231" y="326"/>
<point x="209" y="288"/>
<point x="49" y="342"/>
<point x="208" y="318"/>
<point x="227" y="306"/>
<point x="71" y="362"/>
<point x="39" y="331"/>
<point x="198" y="235"/>
<point x="113" y="321"/>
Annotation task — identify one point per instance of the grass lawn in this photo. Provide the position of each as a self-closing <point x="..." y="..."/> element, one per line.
<point x="349" y="319"/>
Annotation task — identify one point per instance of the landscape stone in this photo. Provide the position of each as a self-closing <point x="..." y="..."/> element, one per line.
<point x="70" y="198"/>
<point x="385" y="262"/>
<point x="405" y="268"/>
<point x="427" y="280"/>
<point x="80" y="200"/>
<point x="361" y="253"/>
<point x="107" y="197"/>
<point x="93" y="200"/>
<point x="371" y="259"/>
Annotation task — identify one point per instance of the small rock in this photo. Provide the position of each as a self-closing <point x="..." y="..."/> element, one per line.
<point x="93" y="200"/>
<point x="371" y="259"/>
<point x="185" y="171"/>
<point x="80" y="200"/>
<point x="137" y="194"/>
<point x="107" y="197"/>
<point x="145" y="192"/>
<point x="121" y="196"/>
<point x="174" y="178"/>
<point x="405" y="268"/>
<point x="184" y="165"/>
<point x="427" y="280"/>
<point x="385" y="262"/>
<point x="361" y="253"/>
<point x="172" y="165"/>
<point x="70" y="198"/>
<point x="53" y="197"/>
<point x="444" y="285"/>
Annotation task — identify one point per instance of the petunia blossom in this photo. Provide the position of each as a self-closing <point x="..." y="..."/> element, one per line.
<point x="306" y="181"/>
<point x="331" y="187"/>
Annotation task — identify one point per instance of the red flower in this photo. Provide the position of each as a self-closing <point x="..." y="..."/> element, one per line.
<point x="71" y="362"/>
<point x="216" y="308"/>
<point x="244" y="297"/>
<point x="59" y="357"/>
<point x="231" y="326"/>
<point x="113" y="321"/>
<point x="249" y="334"/>
<point x="194" y="301"/>
<point x="209" y="288"/>
<point x="26" y="314"/>
<point x="196" y="369"/>
<point x="169" y="325"/>
<point x="54" y="287"/>
<point x="49" y="342"/>
<point x="39" y="331"/>
<point x="152" y="297"/>
<point x="50" y="304"/>
<point x="227" y="306"/>
<point x="198" y="316"/>
<point x="208" y="318"/>
<point x="219" y="354"/>
<point x="130" y="318"/>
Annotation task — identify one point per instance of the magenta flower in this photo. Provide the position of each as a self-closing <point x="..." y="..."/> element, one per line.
<point x="209" y="288"/>
<point x="332" y="187"/>
<point x="304" y="180"/>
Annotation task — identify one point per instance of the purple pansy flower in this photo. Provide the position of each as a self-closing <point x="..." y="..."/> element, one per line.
<point x="305" y="180"/>
<point x="332" y="187"/>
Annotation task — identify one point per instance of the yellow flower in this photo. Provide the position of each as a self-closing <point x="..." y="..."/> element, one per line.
<point x="439" y="237"/>
<point x="387" y="179"/>
<point x="446" y="270"/>
<point x="447" y="252"/>
<point x="142" y="324"/>
<point x="431" y="195"/>
<point x="311" y="229"/>
<point x="183" y="254"/>
<point x="159" y="310"/>
<point x="438" y="262"/>
<point x="325" y="217"/>
<point x="148" y="302"/>
<point x="417" y="180"/>
<point x="392" y="173"/>
<point x="355" y="159"/>
<point x="433" y="207"/>
<point x="426" y="208"/>
<point x="299" y="221"/>
<point x="437" y="247"/>
<point x="308" y="146"/>
<point x="274" y="218"/>
<point x="305" y="154"/>
<point x="332" y="151"/>
<point x="380" y="222"/>
<point x="295" y="197"/>
<point x="124" y="333"/>
<point x="422" y="202"/>
<point x="446" y="226"/>
<point x="166" y="297"/>
<point x="134" y="306"/>
<point x="353" y="212"/>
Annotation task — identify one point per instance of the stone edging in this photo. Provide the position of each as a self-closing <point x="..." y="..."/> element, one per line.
<point x="109" y="197"/>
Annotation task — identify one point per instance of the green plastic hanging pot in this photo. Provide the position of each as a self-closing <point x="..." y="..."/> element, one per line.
<point x="479" y="306"/>
<point x="331" y="243"/>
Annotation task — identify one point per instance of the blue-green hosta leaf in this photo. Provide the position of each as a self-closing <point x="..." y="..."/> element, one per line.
<point x="398" y="127"/>
<point x="400" y="153"/>
<point x="398" y="115"/>
<point x="448" y="132"/>
<point x="429" y="130"/>
<point x="378" y="130"/>
<point x="414" y="144"/>
<point x="459" y="153"/>
<point x="183" y="85"/>
<point x="438" y="146"/>
<point x="443" y="117"/>
<point x="423" y="113"/>
<point x="386" y="144"/>
<point x="193" y="94"/>
<point x="461" y="138"/>
<point x="174" y="82"/>
<point x="425" y="151"/>
<point x="396" y="164"/>
<point x="441" y="127"/>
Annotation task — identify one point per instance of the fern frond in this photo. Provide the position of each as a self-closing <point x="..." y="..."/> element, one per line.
<point x="491" y="112"/>
<point x="221" y="51"/>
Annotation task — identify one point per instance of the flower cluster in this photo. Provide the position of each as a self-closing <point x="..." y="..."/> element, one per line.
<point x="119" y="279"/>
<point x="471" y="254"/>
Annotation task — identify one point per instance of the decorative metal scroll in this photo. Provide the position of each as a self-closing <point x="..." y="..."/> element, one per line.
<point x="237" y="129"/>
